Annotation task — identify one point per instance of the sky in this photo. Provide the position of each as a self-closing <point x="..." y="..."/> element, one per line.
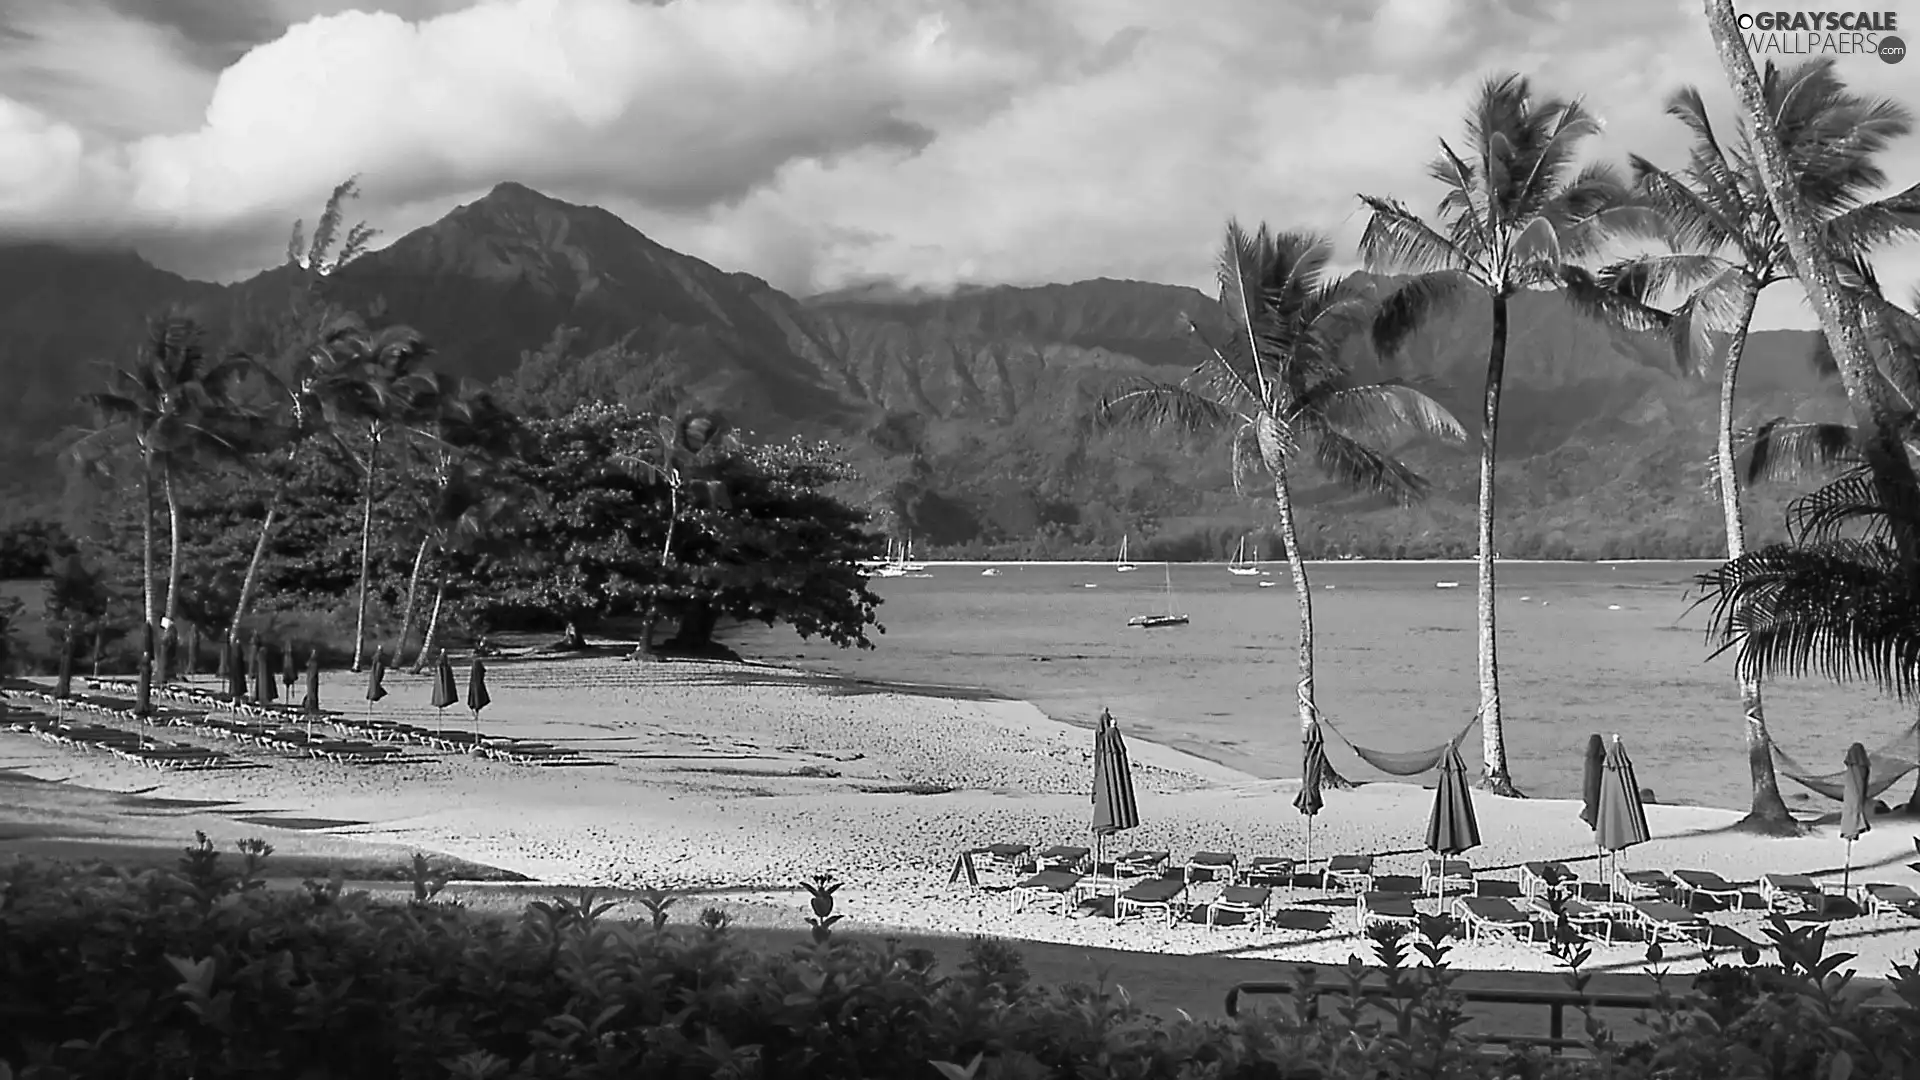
<point x="816" y="143"/>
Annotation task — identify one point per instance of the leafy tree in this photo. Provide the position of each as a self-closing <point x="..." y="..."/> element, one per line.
<point x="1280" y="386"/>
<point x="1728" y="248"/>
<point x="1519" y="214"/>
<point x="679" y="459"/>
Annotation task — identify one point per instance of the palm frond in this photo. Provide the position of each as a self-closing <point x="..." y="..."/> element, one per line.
<point x="1248" y="460"/>
<point x="1355" y="465"/>
<point x="1719" y="308"/>
<point x="1857" y="231"/>
<point x="1407" y="309"/>
<point x="1243" y="262"/>
<point x="1855" y="499"/>
<point x="1786" y="450"/>
<point x="1148" y="404"/>
<point x="1396" y="240"/>
<point x="1617" y="306"/>
<point x="1383" y="410"/>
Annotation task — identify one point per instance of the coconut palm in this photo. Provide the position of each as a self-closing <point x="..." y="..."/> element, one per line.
<point x="680" y="458"/>
<point x="1519" y="214"/>
<point x="466" y="516"/>
<point x="1728" y="248"/>
<point x="1281" y="387"/>
<point x="176" y="405"/>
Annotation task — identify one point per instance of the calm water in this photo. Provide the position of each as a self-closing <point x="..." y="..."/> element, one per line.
<point x="1584" y="647"/>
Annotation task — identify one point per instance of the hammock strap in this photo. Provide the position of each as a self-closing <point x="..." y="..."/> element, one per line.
<point x="1885" y="767"/>
<point x="1403" y="763"/>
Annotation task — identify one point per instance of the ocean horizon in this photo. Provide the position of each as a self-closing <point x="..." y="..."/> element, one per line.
<point x="1613" y="647"/>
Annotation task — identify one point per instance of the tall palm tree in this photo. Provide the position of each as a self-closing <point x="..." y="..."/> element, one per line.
<point x="1518" y="215"/>
<point x="176" y="404"/>
<point x="1876" y="411"/>
<point x="1728" y="248"/>
<point x="679" y="458"/>
<point x="467" y="514"/>
<point x="1279" y="383"/>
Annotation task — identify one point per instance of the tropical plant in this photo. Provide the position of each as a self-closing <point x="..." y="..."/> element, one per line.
<point x="176" y="406"/>
<point x="469" y="515"/>
<point x="1279" y="383"/>
<point x="1518" y="214"/>
<point x="1727" y="248"/>
<point x="679" y="459"/>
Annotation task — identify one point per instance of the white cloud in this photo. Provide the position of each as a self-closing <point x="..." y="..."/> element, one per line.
<point x="816" y="142"/>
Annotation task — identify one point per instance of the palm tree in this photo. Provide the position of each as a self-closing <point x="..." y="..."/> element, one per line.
<point x="1517" y="215"/>
<point x="680" y="458"/>
<point x="466" y="516"/>
<point x="1728" y="248"/>
<point x="1280" y="385"/>
<point x="1818" y="266"/>
<point x="176" y="405"/>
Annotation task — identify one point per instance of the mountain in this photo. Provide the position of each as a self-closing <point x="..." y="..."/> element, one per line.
<point x="967" y="413"/>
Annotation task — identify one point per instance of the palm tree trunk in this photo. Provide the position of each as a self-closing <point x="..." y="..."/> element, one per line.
<point x="1768" y="810"/>
<point x="171" y="620"/>
<point x="1884" y="451"/>
<point x="366" y="555"/>
<point x="1493" y="737"/>
<point x="252" y="581"/>
<point x="1303" y="599"/>
<point x="150" y="587"/>
<point x="413" y="592"/>
<point x="652" y="617"/>
<point x="433" y="628"/>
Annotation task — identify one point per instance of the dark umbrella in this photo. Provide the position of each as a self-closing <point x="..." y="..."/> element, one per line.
<point x="311" y="703"/>
<point x="63" y="689"/>
<point x="445" y="692"/>
<point x="1853" y="805"/>
<point x="1590" y="773"/>
<point x="1452" y="827"/>
<point x="264" y="692"/>
<point x="375" y="675"/>
<point x="143" y="690"/>
<point x="477" y="696"/>
<point x="1114" y="806"/>
<point x="288" y="674"/>
<point x="237" y="675"/>
<point x="1313" y="774"/>
<point x="225" y="673"/>
<point x="193" y="651"/>
<point x="146" y="641"/>
<point x="1622" y="820"/>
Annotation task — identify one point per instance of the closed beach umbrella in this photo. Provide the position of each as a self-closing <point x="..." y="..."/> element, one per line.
<point x="477" y="696"/>
<point x="1114" y="806"/>
<point x="1854" y="816"/>
<point x="1452" y="828"/>
<point x="445" y="692"/>
<point x="193" y="651"/>
<point x="224" y="674"/>
<point x="143" y="689"/>
<point x="237" y="675"/>
<point x="1622" y="820"/>
<point x="1313" y="775"/>
<point x="63" y="688"/>
<point x="264" y="691"/>
<point x="311" y="703"/>
<point x="375" y="676"/>
<point x="287" y="673"/>
<point x="1590" y="772"/>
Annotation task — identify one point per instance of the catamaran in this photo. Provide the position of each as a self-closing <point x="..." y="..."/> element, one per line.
<point x="1152" y="622"/>
<point x="1239" y="564"/>
<point x="1123" y="565"/>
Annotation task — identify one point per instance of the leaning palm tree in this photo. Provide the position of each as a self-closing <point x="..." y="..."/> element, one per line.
<point x="1728" y="248"/>
<point x="1518" y="215"/>
<point x="176" y="405"/>
<point x="1279" y="383"/>
<point x="679" y="458"/>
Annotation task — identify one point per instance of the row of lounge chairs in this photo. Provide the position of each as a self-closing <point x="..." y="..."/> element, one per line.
<point x="263" y="734"/>
<point x="127" y="745"/>
<point x="368" y="730"/>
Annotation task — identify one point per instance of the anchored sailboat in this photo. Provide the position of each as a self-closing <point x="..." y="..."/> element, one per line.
<point x="1123" y="565"/>
<point x="1151" y="622"/>
<point x="1240" y="566"/>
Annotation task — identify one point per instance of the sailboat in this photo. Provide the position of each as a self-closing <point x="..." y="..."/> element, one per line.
<point x="1240" y="566"/>
<point x="1150" y="622"/>
<point x="1123" y="565"/>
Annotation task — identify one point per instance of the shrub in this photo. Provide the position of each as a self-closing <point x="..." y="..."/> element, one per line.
<point x="202" y="972"/>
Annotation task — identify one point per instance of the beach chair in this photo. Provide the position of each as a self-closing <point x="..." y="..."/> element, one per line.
<point x="1269" y="870"/>
<point x="1792" y="892"/>
<point x="1439" y="876"/>
<point x="1493" y="917"/>
<point x="1064" y="857"/>
<point x="1883" y="899"/>
<point x="1214" y="866"/>
<point x="1544" y="878"/>
<point x="1584" y="918"/>
<point x="1162" y="894"/>
<point x="1140" y="863"/>
<point x="1247" y="900"/>
<point x="1384" y="907"/>
<point x="1013" y="858"/>
<point x="1692" y="883"/>
<point x="1641" y="884"/>
<point x="1350" y="873"/>
<point x="1049" y="888"/>
<point x="1666" y="920"/>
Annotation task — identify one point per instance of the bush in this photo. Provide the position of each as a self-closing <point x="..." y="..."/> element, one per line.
<point x="205" y="973"/>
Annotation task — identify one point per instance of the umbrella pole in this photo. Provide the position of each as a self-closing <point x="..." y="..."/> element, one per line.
<point x="1846" y="873"/>
<point x="1307" y="864"/>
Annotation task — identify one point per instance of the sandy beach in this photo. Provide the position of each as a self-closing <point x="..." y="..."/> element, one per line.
<point x="740" y="780"/>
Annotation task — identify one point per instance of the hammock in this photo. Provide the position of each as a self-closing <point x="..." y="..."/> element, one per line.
<point x="1402" y="763"/>
<point x="1886" y="766"/>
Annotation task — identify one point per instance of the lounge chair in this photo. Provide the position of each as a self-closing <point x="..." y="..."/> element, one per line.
<point x="1373" y="907"/>
<point x="1493" y="916"/>
<point x="1248" y="900"/>
<point x="1544" y="878"/>
<point x="1439" y="876"/>
<point x="1054" y="888"/>
<point x="1016" y="858"/>
<point x="1064" y="857"/>
<point x="1214" y="866"/>
<point x="1892" y="900"/>
<point x="1140" y="863"/>
<point x="1694" y="883"/>
<point x="1351" y="873"/>
<point x="1666" y="919"/>
<point x="1270" y="870"/>
<point x="1792" y="892"/>
<point x="1160" y="894"/>
<point x="1584" y="918"/>
<point x="1641" y="884"/>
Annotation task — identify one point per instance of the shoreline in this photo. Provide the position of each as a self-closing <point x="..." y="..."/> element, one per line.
<point x="1281" y="563"/>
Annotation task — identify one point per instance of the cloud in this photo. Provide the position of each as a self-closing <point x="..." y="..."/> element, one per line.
<point x="812" y="142"/>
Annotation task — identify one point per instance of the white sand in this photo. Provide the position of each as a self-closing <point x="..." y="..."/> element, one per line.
<point x="748" y="778"/>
